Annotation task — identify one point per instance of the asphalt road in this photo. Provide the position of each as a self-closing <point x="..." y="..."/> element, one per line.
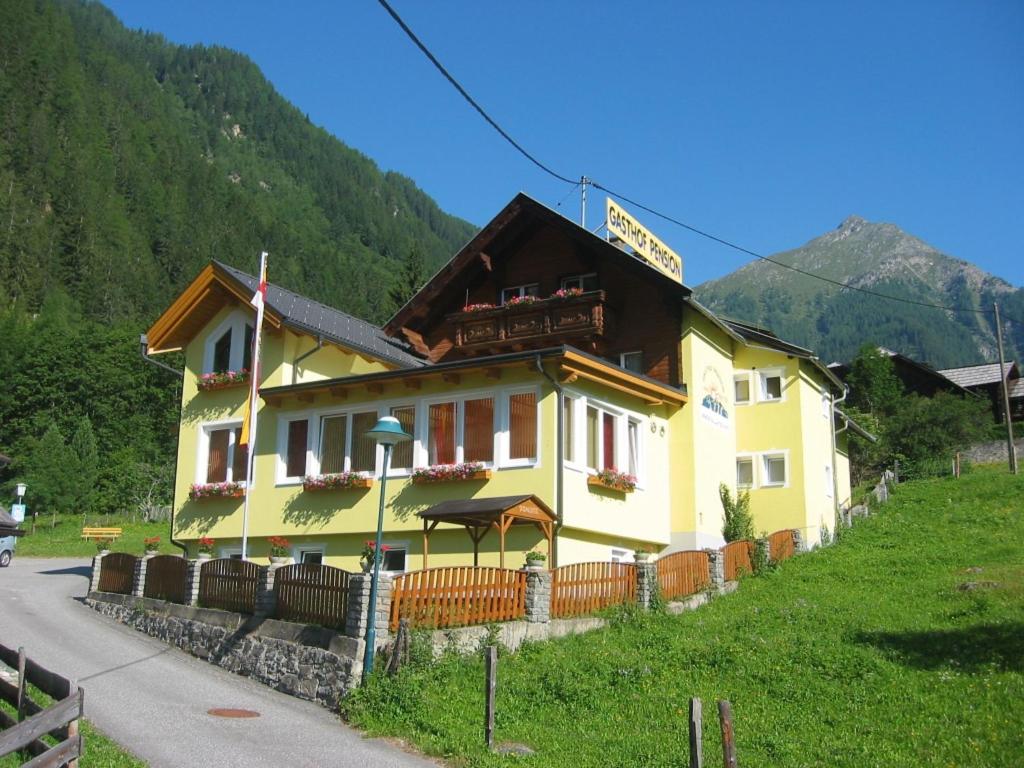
<point x="153" y="699"/>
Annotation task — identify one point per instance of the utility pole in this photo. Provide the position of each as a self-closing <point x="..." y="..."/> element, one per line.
<point x="1011" y="452"/>
<point x="583" y="201"/>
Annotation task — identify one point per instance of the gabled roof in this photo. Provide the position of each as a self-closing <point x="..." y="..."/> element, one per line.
<point x="219" y="283"/>
<point x="520" y="213"/>
<point x="898" y="359"/>
<point x="1016" y="388"/>
<point x="483" y="511"/>
<point x="979" y="375"/>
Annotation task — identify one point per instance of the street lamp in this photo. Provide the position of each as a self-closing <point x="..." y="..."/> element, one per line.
<point x="20" y="489"/>
<point x="19" y="511"/>
<point x="386" y="432"/>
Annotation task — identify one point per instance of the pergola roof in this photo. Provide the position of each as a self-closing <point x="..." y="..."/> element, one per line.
<point x="480" y="512"/>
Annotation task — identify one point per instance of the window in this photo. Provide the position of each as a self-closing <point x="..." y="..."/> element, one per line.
<point x="364" y="449"/>
<point x="401" y="454"/>
<point x="745" y="472"/>
<point x="311" y="555"/>
<point x="296" y="447"/>
<point x="593" y="437"/>
<point x="229" y="345"/>
<point x="632" y="361"/>
<point x="522" y="427"/>
<point x="620" y="555"/>
<point x="633" y="446"/>
<point x="461" y="430"/>
<point x="478" y="430"/>
<point x="612" y="441"/>
<point x="568" y="429"/>
<point x="333" y="439"/>
<point x="519" y="291"/>
<point x="771" y="386"/>
<point x="225" y="457"/>
<point x="584" y="283"/>
<point x="395" y="557"/>
<point x="774" y="469"/>
<point x="741" y="385"/>
<point x="344" y="445"/>
<point x="441" y="433"/>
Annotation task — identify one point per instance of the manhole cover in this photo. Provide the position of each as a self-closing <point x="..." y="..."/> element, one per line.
<point x="227" y="712"/>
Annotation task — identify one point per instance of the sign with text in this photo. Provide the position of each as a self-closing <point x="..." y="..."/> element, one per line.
<point x="641" y="240"/>
<point x="18" y="512"/>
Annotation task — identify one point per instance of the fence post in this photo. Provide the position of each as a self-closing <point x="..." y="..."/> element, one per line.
<point x="359" y="611"/>
<point x="192" y="577"/>
<point x="97" y="568"/>
<point x="139" y="577"/>
<point x="266" y="597"/>
<point x="538" y="595"/>
<point x="716" y="568"/>
<point x="646" y="583"/>
<point x="798" y="541"/>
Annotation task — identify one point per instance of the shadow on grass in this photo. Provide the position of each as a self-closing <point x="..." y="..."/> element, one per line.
<point x="978" y="648"/>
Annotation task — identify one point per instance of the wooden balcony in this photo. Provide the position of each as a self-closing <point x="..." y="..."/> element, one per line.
<point x="582" y="321"/>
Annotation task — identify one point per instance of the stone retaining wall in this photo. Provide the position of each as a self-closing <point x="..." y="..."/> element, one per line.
<point x="994" y="452"/>
<point x="307" y="662"/>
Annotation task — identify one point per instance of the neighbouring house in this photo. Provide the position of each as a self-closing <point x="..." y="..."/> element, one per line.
<point x="915" y="376"/>
<point x="540" y="364"/>
<point x="985" y="380"/>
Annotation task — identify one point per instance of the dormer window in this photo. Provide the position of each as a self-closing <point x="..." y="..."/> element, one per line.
<point x="229" y="346"/>
<point x="583" y="283"/>
<point x="519" y="292"/>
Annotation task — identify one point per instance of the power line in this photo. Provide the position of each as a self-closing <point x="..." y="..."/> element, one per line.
<point x="695" y="230"/>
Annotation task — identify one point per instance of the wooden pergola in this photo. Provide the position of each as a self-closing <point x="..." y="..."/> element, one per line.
<point x="478" y="516"/>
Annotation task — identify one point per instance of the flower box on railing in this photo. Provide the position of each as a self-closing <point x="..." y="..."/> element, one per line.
<point x="207" y="382"/>
<point x="443" y="473"/>
<point x="200" y="491"/>
<point x="336" y="481"/>
<point x="613" y="480"/>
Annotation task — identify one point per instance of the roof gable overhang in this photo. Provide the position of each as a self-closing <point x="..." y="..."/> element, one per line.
<point x="520" y="217"/>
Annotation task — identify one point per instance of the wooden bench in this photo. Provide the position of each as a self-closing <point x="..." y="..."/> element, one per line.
<point x="101" y="533"/>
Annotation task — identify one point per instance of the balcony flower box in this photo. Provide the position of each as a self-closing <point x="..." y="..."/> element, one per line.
<point x="613" y="480"/>
<point x="216" y="491"/>
<point x="337" y="481"/>
<point x="443" y="473"/>
<point x="208" y="382"/>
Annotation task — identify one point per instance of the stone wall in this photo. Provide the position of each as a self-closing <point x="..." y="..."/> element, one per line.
<point x="307" y="662"/>
<point x="994" y="452"/>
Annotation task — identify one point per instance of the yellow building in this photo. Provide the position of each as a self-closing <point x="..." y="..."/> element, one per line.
<point x="542" y="360"/>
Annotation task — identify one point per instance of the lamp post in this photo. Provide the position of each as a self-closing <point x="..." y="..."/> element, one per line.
<point x="19" y="513"/>
<point x="386" y="432"/>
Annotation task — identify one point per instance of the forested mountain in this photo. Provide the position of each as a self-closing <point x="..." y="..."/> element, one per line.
<point x="835" y="322"/>
<point x="126" y="164"/>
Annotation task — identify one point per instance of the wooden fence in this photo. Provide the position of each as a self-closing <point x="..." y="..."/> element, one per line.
<point x="738" y="558"/>
<point x="31" y="721"/>
<point x="781" y="546"/>
<point x="117" y="573"/>
<point x="312" y="594"/>
<point x="166" y="576"/>
<point x="683" y="573"/>
<point x="229" y="585"/>
<point x="458" y="596"/>
<point x="587" y="587"/>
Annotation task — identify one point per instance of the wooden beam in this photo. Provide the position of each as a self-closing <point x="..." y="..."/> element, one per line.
<point x="647" y="398"/>
<point x="569" y="378"/>
<point x="492" y="373"/>
<point x="412" y="383"/>
<point x="451" y="378"/>
<point x="375" y="387"/>
<point x="306" y="397"/>
<point x="339" y="392"/>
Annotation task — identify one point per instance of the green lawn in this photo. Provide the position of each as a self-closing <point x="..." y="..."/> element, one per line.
<point x="62" y="536"/>
<point x="867" y="653"/>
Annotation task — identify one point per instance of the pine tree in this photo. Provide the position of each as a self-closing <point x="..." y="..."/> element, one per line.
<point x="409" y="280"/>
<point x="51" y="483"/>
<point x="85" y="466"/>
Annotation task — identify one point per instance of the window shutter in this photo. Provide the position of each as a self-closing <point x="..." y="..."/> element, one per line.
<point x="522" y="426"/>
<point x="241" y="458"/>
<point x="478" y="438"/>
<point x="298" y="433"/>
<point x="217" y="463"/>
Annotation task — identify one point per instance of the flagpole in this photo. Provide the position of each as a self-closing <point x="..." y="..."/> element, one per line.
<point x="249" y="426"/>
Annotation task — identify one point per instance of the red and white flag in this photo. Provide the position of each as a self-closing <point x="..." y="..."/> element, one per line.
<point x="259" y="301"/>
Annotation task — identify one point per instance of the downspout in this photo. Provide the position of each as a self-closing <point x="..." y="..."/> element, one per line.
<point x="559" y="458"/>
<point x="304" y="355"/>
<point x="144" y="350"/>
<point x="835" y="474"/>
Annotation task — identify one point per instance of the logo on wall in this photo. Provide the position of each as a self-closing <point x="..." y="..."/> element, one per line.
<point x="712" y="404"/>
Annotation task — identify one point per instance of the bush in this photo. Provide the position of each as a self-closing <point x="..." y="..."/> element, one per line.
<point x="738" y="522"/>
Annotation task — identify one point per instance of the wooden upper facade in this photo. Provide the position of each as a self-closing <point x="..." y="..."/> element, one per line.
<point x="532" y="279"/>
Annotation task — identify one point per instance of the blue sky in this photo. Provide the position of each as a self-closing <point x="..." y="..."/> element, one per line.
<point x="764" y="123"/>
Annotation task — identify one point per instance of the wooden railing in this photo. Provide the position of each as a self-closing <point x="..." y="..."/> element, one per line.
<point x="165" y="578"/>
<point x="458" y="596"/>
<point x="24" y="728"/>
<point x="738" y="558"/>
<point x="587" y="587"/>
<point x="117" y="573"/>
<point x="312" y="594"/>
<point x="576" y="317"/>
<point x="781" y="546"/>
<point x="683" y="573"/>
<point x="229" y="585"/>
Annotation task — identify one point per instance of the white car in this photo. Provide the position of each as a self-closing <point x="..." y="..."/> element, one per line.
<point x="6" y="550"/>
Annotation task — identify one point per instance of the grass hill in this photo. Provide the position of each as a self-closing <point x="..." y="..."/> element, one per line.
<point x="871" y="652"/>
<point x="835" y="322"/>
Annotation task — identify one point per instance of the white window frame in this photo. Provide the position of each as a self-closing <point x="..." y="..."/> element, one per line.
<point x="737" y="377"/>
<point x="280" y="476"/>
<point x="752" y="458"/>
<point x="619" y="555"/>
<point x="622" y="419"/>
<point x="765" y="480"/>
<point x="313" y="458"/>
<point x="567" y="282"/>
<point x="569" y="431"/>
<point x="504" y="432"/>
<point x="520" y="291"/>
<point x="421" y="453"/>
<point x="763" y="375"/>
<point x="299" y="550"/>
<point x="624" y="355"/>
<point x="236" y="323"/>
<point x="203" y="451"/>
<point x="393" y="546"/>
<point x="227" y="552"/>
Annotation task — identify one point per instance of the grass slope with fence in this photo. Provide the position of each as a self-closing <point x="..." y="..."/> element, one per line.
<point x="900" y="645"/>
<point x="61" y="536"/>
